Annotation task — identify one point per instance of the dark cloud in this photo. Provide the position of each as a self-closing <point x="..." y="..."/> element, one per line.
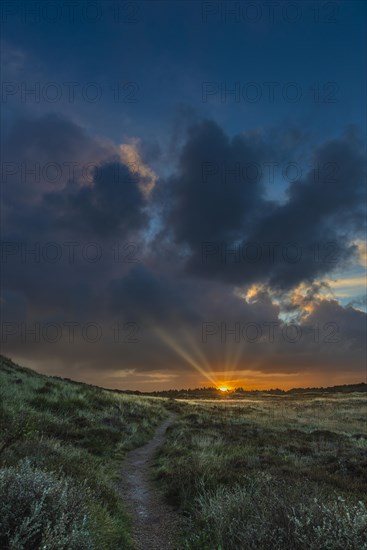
<point x="215" y="212"/>
<point x="360" y="301"/>
<point x="111" y="205"/>
<point x="143" y="295"/>
<point x="345" y="325"/>
<point x="59" y="178"/>
<point x="42" y="154"/>
<point x="211" y="199"/>
<point x="169" y="289"/>
<point x="99" y="205"/>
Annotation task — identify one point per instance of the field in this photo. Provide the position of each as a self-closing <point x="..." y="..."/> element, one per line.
<point x="270" y="472"/>
<point x="266" y="471"/>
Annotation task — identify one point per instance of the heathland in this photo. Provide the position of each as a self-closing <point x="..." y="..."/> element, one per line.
<point x="263" y="471"/>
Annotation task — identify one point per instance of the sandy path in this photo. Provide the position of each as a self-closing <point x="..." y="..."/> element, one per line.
<point x="155" y="523"/>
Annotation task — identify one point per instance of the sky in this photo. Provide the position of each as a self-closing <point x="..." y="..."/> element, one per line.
<point x="183" y="192"/>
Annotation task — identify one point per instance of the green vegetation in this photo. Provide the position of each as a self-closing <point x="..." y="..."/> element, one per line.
<point x="61" y="445"/>
<point x="270" y="472"/>
<point x="239" y="393"/>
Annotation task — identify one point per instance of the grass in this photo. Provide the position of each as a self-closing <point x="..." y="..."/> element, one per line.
<point x="270" y="472"/>
<point x="61" y="446"/>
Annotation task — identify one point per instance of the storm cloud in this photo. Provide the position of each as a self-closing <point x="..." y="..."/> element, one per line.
<point x="202" y="255"/>
<point x="233" y="233"/>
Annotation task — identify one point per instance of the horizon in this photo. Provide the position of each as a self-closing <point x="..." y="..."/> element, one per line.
<point x="220" y="389"/>
<point x="183" y="193"/>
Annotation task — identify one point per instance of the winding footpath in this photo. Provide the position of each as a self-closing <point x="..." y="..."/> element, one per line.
<point x="156" y="524"/>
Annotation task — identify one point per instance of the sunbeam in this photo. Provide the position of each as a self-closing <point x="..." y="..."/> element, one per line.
<point x="168" y="340"/>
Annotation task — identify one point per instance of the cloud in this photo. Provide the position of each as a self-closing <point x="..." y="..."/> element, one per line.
<point x="209" y="199"/>
<point x="60" y="178"/>
<point x="131" y="157"/>
<point x="362" y="252"/>
<point x="111" y="205"/>
<point x="348" y="286"/>
<point x="168" y="289"/>
<point x="232" y="233"/>
<point x="150" y="298"/>
<point x="42" y="155"/>
<point x="95" y="201"/>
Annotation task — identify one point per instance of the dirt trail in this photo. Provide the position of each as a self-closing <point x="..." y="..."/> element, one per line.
<point x="155" y="523"/>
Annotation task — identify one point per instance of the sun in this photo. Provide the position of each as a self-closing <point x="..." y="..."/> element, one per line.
<point x="223" y="388"/>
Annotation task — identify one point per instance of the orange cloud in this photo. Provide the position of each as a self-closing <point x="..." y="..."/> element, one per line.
<point x="130" y="155"/>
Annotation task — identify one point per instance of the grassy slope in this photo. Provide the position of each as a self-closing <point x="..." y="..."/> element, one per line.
<point x="78" y="432"/>
<point x="248" y="473"/>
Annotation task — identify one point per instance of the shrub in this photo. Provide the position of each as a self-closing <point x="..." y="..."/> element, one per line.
<point x="14" y="428"/>
<point x="330" y="526"/>
<point x="39" y="509"/>
<point x="267" y="514"/>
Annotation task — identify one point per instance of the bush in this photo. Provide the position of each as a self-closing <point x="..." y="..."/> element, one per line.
<point x="14" y="428"/>
<point x="331" y="525"/>
<point x="267" y="514"/>
<point x="39" y="509"/>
